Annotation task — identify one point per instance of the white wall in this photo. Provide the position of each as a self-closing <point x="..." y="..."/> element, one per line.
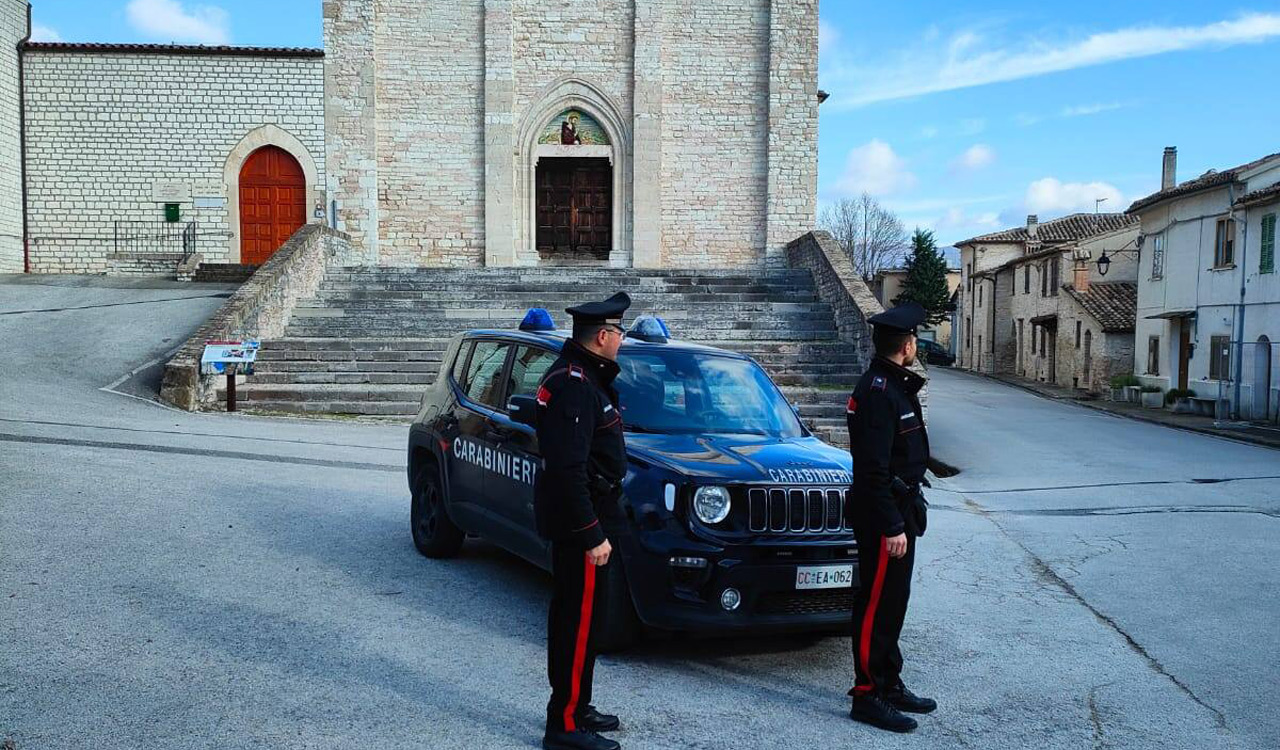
<point x="13" y="27"/>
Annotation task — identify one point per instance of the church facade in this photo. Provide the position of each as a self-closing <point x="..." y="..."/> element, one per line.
<point x="631" y="133"/>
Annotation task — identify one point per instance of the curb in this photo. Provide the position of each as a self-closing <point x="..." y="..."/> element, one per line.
<point x="1212" y="432"/>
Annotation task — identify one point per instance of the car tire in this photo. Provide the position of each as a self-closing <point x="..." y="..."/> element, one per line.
<point x="434" y="533"/>
<point x="621" y="627"/>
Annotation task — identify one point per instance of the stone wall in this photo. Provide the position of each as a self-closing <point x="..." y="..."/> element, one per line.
<point x="13" y="28"/>
<point x="259" y="309"/>
<point x="711" y="108"/>
<point x="114" y="132"/>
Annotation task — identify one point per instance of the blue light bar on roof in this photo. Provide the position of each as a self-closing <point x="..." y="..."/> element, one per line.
<point x="537" y="319"/>
<point x="650" y="328"/>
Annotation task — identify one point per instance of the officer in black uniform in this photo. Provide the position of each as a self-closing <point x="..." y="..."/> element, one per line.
<point x="890" y="454"/>
<point x="575" y="498"/>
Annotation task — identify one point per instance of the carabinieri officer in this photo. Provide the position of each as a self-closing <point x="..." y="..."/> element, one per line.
<point x="575" y="498"/>
<point x="890" y="454"/>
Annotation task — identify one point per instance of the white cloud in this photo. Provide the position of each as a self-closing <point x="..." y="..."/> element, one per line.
<point x="1084" y="110"/>
<point x="976" y="157"/>
<point x="1053" y="197"/>
<point x="172" y="21"/>
<point x="957" y="218"/>
<point x="40" y="33"/>
<point x="875" y="169"/>
<point x="971" y="59"/>
<point x="929" y="131"/>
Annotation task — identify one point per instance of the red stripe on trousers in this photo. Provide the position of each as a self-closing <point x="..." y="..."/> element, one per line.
<point x="580" y="651"/>
<point x="869" y="618"/>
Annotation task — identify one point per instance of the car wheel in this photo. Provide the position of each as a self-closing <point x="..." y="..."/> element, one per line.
<point x="434" y="533"/>
<point x="621" y="627"/>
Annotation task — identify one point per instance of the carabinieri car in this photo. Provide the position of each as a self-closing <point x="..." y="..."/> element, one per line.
<point x="734" y="511"/>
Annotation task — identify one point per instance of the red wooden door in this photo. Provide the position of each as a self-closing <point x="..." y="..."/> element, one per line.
<point x="575" y="207"/>
<point x="273" y="203"/>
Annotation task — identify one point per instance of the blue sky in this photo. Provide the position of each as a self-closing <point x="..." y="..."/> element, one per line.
<point x="962" y="117"/>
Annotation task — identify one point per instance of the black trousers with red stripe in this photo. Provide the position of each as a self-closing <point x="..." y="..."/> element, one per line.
<point x="878" y="611"/>
<point x="572" y="625"/>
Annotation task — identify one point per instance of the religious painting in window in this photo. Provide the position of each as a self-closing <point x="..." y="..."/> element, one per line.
<point x="573" y="127"/>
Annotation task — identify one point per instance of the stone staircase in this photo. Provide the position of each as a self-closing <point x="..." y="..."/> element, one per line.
<point x="372" y="339"/>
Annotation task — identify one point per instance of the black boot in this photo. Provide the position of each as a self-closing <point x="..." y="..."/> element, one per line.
<point x="873" y="709"/>
<point x="582" y="739"/>
<point x="598" y="722"/>
<point x="905" y="700"/>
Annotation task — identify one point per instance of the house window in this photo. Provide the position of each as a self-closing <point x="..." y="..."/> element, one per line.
<point x="1033" y="338"/>
<point x="1224" y="244"/>
<point x="979" y="295"/>
<point x="1026" y="279"/>
<point x="968" y="275"/>
<point x="968" y="332"/>
<point x="1157" y="257"/>
<point x="1042" y="338"/>
<point x="1077" y="334"/>
<point x="1267" y="263"/>
<point x="1044" y="281"/>
<point x="1055" y="279"/>
<point x="1219" y="357"/>
<point x="1153" y="355"/>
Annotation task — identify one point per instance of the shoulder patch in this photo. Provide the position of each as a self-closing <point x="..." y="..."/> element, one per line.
<point x="576" y="372"/>
<point x="544" y="395"/>
<point x="879" y="382"/>
<point x="852" y="406"/>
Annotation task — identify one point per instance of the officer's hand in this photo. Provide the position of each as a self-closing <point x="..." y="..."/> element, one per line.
<point x="897" y="545"/>
<point x="600" y="555"/>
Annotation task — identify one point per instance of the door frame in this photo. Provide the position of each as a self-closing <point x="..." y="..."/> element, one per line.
<point x="612" y="212"/>
<point x="267" y="135"/>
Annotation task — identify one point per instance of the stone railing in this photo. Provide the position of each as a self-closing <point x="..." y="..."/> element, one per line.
<point x="840" y="286"/>
<point x="259" y="309"/>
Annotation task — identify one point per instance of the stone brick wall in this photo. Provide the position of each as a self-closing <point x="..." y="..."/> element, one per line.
<point x="112" y="133"/>
<point x="13" y="27"/>
<point x="840" y="286"/>
<point x="713" y="106"/>
<point x="259" y="309"/>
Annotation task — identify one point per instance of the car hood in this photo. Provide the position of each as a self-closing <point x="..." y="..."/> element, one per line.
<point x="745" y="458"/>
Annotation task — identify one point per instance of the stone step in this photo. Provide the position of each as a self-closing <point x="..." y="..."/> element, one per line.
<point x="260" y="378"/>
<point x="344" y="365"/>
<point x="552" y="274"/>
<point x="326" y="392"/>
<point x="667" y="307"/>
<point x="540" y="297"/>
<point x="712" y="337"/>
<point x="328" y="343"/>
<point x="479" y="318"/>
<point x="404" y="409"/>
<point x="338" y="355"/>
<point x="813" y="379"/>
<point x="422" y="326"/>
<point x="223" y="272"/>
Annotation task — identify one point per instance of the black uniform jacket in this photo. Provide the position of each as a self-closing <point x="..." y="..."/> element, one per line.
<point x="583" y="451"/>
<point x="887" y="439"/>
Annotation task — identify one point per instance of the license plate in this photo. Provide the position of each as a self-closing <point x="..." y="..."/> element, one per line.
<point x="825" y="577"/>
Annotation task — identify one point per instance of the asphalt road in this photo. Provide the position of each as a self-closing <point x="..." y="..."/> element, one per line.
<point x="170" y="580"/>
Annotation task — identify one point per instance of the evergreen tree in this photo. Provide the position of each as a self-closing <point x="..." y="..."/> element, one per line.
<point x="926" y="281"/>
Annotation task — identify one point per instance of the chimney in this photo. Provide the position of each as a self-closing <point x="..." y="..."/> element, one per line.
<point x="1081" y="280"/>
<point x="1033" y="226"/>
<point x="1169" y="174"/>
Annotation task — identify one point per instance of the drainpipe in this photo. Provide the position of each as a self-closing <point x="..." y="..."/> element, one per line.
<point x="1244" y="277"/>
<point x="22" y="142"/>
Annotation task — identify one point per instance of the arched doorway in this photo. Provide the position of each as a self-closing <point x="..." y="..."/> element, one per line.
<point x="1262" y="378"/>
<point x="273" y="203"/>
<point x="574" y="193"/>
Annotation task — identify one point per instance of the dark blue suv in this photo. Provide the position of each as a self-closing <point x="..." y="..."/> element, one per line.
<point x="734" y="514"/>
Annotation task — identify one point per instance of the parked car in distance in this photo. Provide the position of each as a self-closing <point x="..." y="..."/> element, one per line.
<point x="934" y="353"/>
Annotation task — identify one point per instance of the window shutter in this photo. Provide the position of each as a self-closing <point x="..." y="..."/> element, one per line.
<point x="1267" y="263"/>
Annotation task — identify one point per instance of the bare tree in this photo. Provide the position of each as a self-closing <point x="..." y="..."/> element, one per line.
<point x="871" y="234"/>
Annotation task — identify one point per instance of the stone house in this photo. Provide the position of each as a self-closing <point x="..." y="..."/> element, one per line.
<point x="1208" y="293"/>
<point x="888" y="284"/>
<point x="1033" y="305"/>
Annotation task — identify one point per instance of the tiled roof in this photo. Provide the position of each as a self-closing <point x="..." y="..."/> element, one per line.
<point x="171" y="49"/>
<point x="1066" y="229"/>
<point x="1114" y="304"/>
<point x="1203" y="182"/>
<point x="1265" y="195"/>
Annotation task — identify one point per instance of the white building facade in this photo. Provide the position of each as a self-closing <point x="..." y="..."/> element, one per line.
<point x="1208" y="293"/>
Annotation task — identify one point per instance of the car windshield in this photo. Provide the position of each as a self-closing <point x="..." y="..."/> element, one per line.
<point x="682" y="391"/>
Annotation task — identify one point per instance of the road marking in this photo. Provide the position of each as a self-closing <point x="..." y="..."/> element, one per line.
<point x="223" y="295"/>
<point x="199" y="434"/>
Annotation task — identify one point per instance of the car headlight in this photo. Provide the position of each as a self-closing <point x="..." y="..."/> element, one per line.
<point x="711" y="504"/>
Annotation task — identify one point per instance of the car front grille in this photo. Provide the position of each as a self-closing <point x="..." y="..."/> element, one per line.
<point x="797" y="510"/>
<point x="820" y="602"/>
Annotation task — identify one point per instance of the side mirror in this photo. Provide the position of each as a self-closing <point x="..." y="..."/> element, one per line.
<point x="523" y="409"/>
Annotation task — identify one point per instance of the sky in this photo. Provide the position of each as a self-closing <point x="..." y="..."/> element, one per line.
<point x="961" y="117"/>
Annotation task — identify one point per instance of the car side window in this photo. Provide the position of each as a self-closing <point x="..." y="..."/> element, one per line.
<point x="527" y="369"/>
<point x="484" y="385"/>
<point x="460" y="363"/>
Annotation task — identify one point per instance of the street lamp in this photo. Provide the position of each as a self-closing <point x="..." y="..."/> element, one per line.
<point x="1104" y="263"/>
